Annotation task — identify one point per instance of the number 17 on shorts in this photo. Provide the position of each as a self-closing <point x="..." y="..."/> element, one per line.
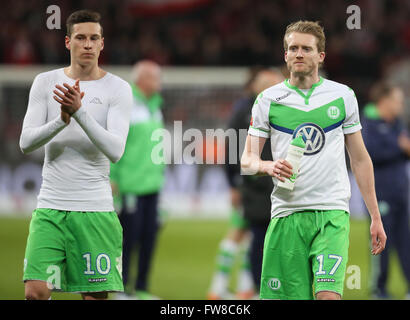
<point x="329" y="273"/>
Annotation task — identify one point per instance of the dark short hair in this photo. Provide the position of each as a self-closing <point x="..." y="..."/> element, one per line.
<point x="81" y="16"/>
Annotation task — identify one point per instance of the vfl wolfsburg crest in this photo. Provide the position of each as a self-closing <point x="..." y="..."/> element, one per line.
<point x="274" y="283"/>
<point x="333" y="112"/>
<point x="313" y="135"/>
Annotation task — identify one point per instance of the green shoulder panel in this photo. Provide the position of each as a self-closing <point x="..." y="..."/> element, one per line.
<point x="325" y="116"/>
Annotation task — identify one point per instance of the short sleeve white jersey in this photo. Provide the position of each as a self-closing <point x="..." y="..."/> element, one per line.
<point x="76" y="165"/>
<point x="322" y="115"/>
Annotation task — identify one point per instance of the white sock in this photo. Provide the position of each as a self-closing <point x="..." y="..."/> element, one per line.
<point x="225" y="261"/>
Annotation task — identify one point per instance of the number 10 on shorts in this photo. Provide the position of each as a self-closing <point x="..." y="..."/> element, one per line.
<point x="102" y="263"/>
<point x="320" y="258"/>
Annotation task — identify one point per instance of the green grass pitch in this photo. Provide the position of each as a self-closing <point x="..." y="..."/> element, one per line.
<point x="184" y="260"/>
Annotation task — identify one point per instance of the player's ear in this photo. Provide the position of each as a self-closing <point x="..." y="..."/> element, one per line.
<point x="102" y="43"/>
<point x="321" y="57"/>
<point x="67" y="42"/>
<point x="286" y="55"/>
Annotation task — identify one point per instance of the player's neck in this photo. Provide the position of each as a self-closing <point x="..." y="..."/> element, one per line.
<point x="84" y="72"/>
<point x="304" y="82"/>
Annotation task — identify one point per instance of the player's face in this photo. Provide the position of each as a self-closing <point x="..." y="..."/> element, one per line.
<point x="151" y="79"/>
<point x="302" y="56"/>
<point x="85" y="43"/>
<point x="155" y="80"/>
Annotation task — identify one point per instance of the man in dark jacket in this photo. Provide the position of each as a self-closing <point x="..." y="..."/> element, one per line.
<point x="388" y="144"/>
<point x="250" y="198"/>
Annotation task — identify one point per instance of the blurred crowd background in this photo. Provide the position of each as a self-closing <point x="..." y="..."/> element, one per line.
<point x="216" y="33"/>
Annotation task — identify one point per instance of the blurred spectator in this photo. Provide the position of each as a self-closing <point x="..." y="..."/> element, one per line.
<point x="388" y="144"/>
<point x="137" y="179"/>
<point x="20" y="50"/>
<point x="250" y="200"/>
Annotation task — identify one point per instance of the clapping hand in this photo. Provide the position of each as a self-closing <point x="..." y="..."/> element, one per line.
<point x="69" y="98"/>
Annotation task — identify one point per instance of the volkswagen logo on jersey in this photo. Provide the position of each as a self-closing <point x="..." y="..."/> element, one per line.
<point x="313" y="135"/>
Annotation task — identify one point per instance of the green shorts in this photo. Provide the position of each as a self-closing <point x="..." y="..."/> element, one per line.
<point x="75" y="251"/>
<point x="304" y="253"/>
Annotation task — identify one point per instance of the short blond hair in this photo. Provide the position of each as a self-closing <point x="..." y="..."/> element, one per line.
<point x="309" y="27"/>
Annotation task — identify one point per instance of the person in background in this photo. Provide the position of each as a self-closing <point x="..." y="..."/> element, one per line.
<point x="250" y="200"/>
<point x="388" y="143"/>
<point x="137" y="179"/>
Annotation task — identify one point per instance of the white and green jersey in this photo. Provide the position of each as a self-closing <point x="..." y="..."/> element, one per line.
<point x="322" y="115"/>
<point x="77" y="156"/>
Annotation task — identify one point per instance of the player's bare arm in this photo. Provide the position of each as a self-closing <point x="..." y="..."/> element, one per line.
<point x="362" y="168"/>
<point x="252" y="164"/>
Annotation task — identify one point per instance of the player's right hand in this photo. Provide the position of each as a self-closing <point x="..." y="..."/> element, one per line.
<point x="280" y="169"/>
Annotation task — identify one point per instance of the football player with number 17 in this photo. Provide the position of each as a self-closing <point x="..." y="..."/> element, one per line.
<point x="307" y="240"/>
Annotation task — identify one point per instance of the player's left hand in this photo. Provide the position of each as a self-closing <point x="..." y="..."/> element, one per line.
<point x="69" y="97"/>
<point x="378" y="236"/>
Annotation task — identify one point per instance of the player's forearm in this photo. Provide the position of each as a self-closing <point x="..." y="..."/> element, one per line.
<point x="363" y="172"/>
<point x="33" y="138"/>
<point x="251" y="164"/>
<point x="110" y="144"/>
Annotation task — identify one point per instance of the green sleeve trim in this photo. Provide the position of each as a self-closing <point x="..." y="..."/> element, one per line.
<point x="263" y="130"/>
<point x="351" y="125"/>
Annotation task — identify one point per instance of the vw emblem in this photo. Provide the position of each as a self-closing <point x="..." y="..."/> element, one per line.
<point x="313" y="135"/>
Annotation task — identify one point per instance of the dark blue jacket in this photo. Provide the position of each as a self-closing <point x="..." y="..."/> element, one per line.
<point x="255" y="190"/>
<point x="389" y="161"/>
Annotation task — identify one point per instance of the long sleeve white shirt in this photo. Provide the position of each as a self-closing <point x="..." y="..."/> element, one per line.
<point x="76" y="163"/>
